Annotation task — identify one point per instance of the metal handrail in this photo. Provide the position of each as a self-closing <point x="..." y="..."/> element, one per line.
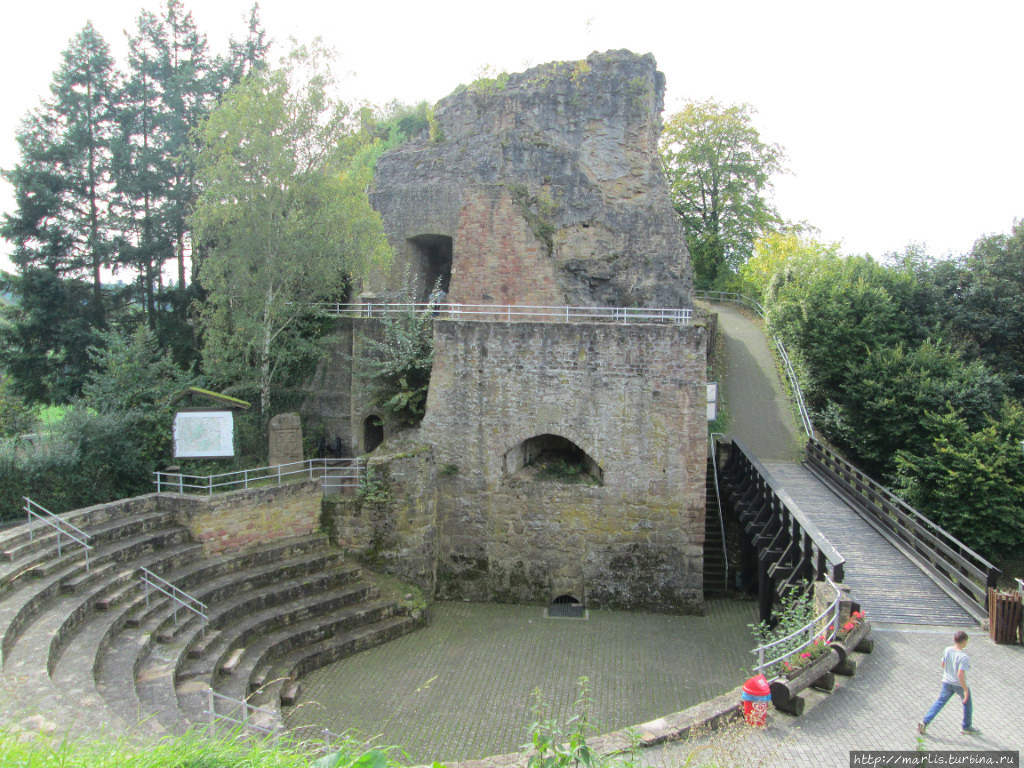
<point x="179" y="596"/>
<point x="510" y="312"/>
<point x="245" y="707"/>
<point x="811" y="629"/>
<point x="794" y="383"/>
<point x="718" y="501"/>
<point x="62" y="527"/>
<point x="348" y="473"/>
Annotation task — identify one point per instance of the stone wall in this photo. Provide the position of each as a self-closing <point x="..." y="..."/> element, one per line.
<point x="237" y="520"/>
<point x="633" y="399"/>
<point x="327" y="406"/>
<point x="392" y="524"/>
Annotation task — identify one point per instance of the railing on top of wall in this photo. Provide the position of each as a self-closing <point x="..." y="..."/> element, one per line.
<point x="332" y="473"/>
<point x="518" y="312"/>
<point x="794" y="382"/>
<point x="963" y="573"/>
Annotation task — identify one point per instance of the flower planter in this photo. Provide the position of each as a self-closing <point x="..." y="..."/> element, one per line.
<point x="785" y="692"/>
<point x="856" y="640"/>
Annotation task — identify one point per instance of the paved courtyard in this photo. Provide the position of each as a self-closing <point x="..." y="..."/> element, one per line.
<point x="463" y="688"/>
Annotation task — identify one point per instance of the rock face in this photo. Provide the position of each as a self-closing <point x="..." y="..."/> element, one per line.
<point x="543" y="187"/>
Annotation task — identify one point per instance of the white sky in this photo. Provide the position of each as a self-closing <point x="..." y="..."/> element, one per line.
<point x="902" y="119"/>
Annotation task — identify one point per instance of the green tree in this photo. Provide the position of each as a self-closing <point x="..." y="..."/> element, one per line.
<point x="44" y="343"/>
<point x="880" y="406"/>
<point x="970" y="481"/>
<point x="985" y="311"/>
<point x="397" y="369"/>
<point x="719" y="173"/>
<point x="283" y="219"/>
<point x="64" y="181"/>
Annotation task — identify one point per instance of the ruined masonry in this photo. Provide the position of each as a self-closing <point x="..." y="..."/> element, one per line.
<point x="557" y="461"/>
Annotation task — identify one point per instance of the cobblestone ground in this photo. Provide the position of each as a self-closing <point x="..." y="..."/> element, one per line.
<point x="878" y="709"/>
<point x="463" y="687"/>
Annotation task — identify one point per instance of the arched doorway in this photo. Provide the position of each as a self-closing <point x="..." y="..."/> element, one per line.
<point x="432" y="263"/>
<point x="373" y="433"/>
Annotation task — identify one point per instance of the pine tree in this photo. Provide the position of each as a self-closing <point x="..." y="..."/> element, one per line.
<point x="63" y="184"/>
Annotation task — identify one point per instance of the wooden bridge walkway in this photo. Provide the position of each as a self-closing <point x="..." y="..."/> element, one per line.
<point x="890" y="587"/>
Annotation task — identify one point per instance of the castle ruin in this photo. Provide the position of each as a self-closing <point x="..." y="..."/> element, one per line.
<point x="558" y="458"/>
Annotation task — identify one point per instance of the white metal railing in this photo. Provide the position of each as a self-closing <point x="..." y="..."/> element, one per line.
<point x="63" y="528"/>
<point x="829" y="618"/>
<point x="794" y="382"/>
<point x="333" y="473"/>
<point x="517" y="312"/>
<point x="181" y="598"/>
<point x="718" y="502"/>
<point x="240" y="713"/>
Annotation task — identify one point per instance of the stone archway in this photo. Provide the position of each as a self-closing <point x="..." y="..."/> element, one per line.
<point x="373" y="433"/>
<point x="553" y="458"/>
<point x="431" y="263"/>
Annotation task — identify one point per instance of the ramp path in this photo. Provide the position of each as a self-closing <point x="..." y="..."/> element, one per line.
<point x="888" y="585"/>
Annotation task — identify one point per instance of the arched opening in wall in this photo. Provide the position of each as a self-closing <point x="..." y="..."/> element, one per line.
<point x="566" y="607"/>
<point x="553" y="458"/>
<point x="431" y="263"/>
<point x="373" y="433"/>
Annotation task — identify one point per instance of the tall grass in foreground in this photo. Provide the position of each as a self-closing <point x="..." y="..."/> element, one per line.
<point x="193" y="750"/>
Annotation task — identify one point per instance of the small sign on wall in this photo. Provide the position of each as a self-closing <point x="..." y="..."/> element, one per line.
<point x="712" y="400"/>
<point x="204" y="434"/>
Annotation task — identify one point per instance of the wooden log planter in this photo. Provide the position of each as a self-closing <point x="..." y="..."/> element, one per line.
<point x="821" y="673"/>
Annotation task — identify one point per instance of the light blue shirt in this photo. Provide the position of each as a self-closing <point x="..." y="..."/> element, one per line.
<point x="953" y="660"/>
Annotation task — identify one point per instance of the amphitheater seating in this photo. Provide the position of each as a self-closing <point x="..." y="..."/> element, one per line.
<point x="91" y="648"/>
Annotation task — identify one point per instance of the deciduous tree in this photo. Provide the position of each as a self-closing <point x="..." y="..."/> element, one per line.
<point x="284" y="220"/>
<point x="719" y="173"/>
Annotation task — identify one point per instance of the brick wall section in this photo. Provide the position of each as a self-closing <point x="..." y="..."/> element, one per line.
<point x="238" y="520"/>
<point x="508" y="264"/>
<point x="632" y="397"/>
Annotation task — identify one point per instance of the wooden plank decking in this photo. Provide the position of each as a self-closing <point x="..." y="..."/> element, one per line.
<point x="888" y="585"/>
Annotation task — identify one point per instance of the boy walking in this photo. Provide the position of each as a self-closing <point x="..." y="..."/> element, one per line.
<point x="955" y="663"/>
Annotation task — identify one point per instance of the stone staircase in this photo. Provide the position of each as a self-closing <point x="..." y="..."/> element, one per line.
<point x="715" y="578"/>
<point x="90" y="649"/>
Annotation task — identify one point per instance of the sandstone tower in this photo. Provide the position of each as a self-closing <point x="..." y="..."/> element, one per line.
<point x="545" y="190"/>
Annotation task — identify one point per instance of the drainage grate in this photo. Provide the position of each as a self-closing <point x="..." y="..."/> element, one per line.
<point x="566" y="607"/>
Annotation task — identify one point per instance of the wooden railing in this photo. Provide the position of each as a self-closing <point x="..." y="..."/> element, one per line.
<point x="790" y="548"/>
<point x="959" y="570"/>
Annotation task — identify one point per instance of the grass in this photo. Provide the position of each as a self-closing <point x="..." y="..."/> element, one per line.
<point x="193" y="750"/>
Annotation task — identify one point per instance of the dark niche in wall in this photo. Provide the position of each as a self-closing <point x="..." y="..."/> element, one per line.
<point x="555" y="459"/>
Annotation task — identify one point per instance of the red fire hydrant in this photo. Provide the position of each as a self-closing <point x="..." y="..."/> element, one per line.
<point x="756" y="695"/>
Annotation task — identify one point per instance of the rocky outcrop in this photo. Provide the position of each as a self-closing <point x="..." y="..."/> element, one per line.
<point x="543" y="187"/>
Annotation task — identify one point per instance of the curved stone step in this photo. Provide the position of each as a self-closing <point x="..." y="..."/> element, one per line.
<point x="286" y="602"/>
<point x="39" y="647"/>
<point x="19" y="609"/>
<point x="301" y="661"/>
<point x="150" y="687"/>
<point x="262" y="653"/>
<point x="267" y="629"/>
<point x="220" y="570"/>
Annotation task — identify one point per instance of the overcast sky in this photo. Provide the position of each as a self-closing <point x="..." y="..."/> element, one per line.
<point x="902" y="120"/>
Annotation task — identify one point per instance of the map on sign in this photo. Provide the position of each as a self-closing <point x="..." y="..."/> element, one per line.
<point x="203" y="435"/>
